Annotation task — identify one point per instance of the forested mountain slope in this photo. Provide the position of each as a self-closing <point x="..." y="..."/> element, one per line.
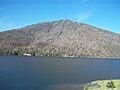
<point x="60" y="38"/>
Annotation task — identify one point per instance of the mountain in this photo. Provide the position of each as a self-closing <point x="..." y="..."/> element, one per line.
<point x="61" y="38"/>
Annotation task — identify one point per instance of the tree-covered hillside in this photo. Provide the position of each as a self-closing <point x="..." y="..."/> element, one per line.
<point x="60" y="38"/>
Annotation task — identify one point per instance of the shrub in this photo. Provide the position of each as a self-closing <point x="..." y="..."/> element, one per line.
<point x="85" y="87"/>
<point x="110" y="85"/>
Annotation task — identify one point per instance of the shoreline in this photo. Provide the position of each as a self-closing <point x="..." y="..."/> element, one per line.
<point x="65" y="57"/>
<point x="102" y="85"/>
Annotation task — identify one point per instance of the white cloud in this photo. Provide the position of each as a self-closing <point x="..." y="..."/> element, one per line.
<point x="80" y="16"/>
<point x="86" y="11"/>
<point x="5" y="25"/>
<point x="83" y="15"/>
<point x="2" y="23"/>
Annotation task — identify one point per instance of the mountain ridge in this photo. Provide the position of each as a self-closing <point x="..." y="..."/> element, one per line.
<point x="60" y="38"/>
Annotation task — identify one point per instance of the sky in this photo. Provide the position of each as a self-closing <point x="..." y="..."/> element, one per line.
<point x="104" y="14"/>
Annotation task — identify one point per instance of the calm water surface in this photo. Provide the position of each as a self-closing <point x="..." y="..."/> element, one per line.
<point x="43" y="73"/>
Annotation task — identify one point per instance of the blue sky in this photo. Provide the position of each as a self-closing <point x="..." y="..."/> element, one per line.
<point x="104" y="14"/>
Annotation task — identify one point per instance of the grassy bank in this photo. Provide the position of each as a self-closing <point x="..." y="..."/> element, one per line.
<point x="103" y="85"/>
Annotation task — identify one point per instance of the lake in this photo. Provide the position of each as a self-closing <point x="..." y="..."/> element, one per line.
<point x="53" y="73"/>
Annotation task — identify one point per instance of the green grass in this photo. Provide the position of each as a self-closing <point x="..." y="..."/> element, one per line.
<point x="101" y="85"/>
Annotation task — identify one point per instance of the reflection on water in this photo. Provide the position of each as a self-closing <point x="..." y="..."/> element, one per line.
<point x="45" y="73"/>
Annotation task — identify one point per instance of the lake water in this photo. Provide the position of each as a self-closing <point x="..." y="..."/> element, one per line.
<point x="43" y="73"/>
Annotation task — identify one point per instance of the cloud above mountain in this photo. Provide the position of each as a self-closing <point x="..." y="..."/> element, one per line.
<point x="6" y="25"/>
<point x="83" y="15"/>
